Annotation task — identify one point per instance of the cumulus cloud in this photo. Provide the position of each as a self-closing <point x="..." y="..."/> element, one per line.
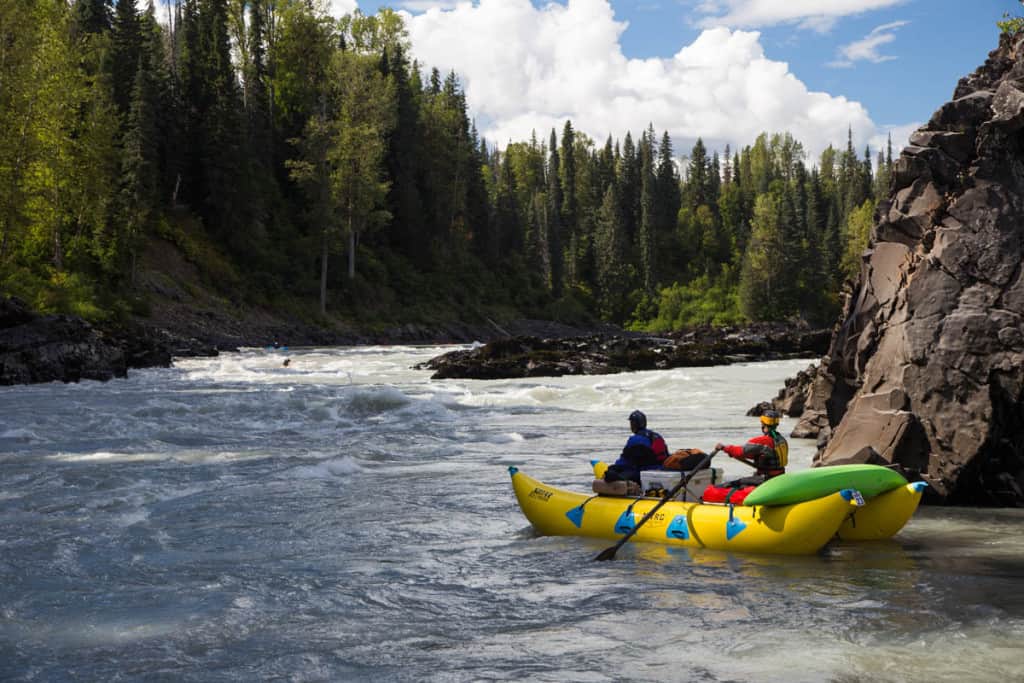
<point x="528" y="69"/>
<point x="339" y="8"/>
<point x="817" y="15"/>
<point x="424" y="5"/>
<point x="866" y="49"/>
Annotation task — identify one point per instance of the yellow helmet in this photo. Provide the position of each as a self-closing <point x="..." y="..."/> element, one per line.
<point x="770" y="418"/>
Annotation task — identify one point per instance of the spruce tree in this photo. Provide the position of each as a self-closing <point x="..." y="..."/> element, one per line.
<point x="124" y="52"/>
<point x="92" y="16"/>
<point x="610" y="257"/>
<point x="408" y="234"/>
<point x="554" y="217"/>
<point x="668" y="201"/>
<point x="629" y="190"/>
<point x="569" y="202"/>
<point x="139" y="199"/>
<point x="697" y="191"/>
<point x="647" y="232"/>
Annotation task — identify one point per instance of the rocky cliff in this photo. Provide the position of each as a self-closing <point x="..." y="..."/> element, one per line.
<point x="926" y="365"/>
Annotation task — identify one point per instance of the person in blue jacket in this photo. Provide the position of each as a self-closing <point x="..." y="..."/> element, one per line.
<point x="644" y="450"/>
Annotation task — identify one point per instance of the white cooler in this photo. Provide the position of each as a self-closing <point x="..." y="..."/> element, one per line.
<point x="666" y="479"/>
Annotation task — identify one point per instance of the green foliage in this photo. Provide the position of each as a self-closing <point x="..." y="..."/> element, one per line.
<point x="762" y="266"/>
<point x="703" y="301"/>
<point x="56" y="292"/>
<point x="1011" y="25"/>
<point x="858" y="231"/>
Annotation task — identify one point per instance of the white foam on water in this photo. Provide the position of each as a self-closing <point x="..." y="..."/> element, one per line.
<point x="109" y="457"/>
<point x="511" y="437"/>
<point x="327" y="469"/>
<point x="20" y="435"/>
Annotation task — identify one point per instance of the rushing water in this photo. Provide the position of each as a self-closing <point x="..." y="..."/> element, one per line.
<point x="346" y="518"/>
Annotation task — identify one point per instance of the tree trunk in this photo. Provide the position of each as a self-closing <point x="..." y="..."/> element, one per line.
<point x="323" y="274"/>
<point x="351" y="249"/>
<point x="351" y="256"/>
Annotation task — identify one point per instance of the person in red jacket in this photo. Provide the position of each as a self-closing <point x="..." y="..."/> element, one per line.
<point x="767" y="453"/>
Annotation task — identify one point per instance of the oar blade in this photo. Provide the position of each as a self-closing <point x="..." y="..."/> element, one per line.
<point x="607" y="554"/>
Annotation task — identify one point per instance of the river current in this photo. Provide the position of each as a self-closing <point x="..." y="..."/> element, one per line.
<point x="345" y="518"/>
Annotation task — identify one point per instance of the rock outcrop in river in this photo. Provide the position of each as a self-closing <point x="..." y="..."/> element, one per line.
<point x="602" y="354"/>
<point x="926" y="365"/>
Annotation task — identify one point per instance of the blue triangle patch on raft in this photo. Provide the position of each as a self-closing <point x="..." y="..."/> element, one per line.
<point x="626" y="522"/>
<point x="733" y="527"/>
<point x="575" y="516"/>
<point x="679" y="528"/>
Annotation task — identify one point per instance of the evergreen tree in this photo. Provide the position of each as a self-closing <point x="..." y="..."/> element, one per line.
<point x="669" y="199"/>
<point x="408" y="233"/>
<point x="140" y="173"/>
<point x="697" y="190"/>
<point x="647" y="233"/>
<point x="629" y="190"/>
<point x="569" y="202"/>
<point x="818" y="269"/>
<point x="91" y="16"/>
<point x="554" y="220"/>
<point x="610" y="257"/>
<point x="714" y="180"/>
<point x="124" y="52"/>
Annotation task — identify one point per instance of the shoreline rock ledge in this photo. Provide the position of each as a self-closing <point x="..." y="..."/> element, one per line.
<point x="926" y="365"/>
<point x="35" y="348"/>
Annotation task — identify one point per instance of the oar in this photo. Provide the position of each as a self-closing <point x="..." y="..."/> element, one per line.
<point x="609" y="553"/>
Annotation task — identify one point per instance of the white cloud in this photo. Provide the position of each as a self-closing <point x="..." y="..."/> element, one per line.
<point x="866" y="49"/>
<point x="816" y="15"/>
<point x="339" y="8"/>
<point x="424" y="5"/>
<point x="527" y="68"/>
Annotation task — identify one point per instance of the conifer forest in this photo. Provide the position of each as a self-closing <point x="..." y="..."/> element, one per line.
<point x="303" y="161"/>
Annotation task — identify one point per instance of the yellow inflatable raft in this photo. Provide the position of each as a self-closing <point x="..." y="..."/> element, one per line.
<point x="798" y="529"/>
<point x="882" y="516"/>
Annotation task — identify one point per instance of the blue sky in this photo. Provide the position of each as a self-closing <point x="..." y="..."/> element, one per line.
<point x="720" y="69"/>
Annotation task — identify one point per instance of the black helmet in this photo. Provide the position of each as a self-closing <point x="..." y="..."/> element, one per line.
<point x="637" y="420"/>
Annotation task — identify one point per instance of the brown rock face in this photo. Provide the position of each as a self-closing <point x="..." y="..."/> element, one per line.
<point x="926" y="367"/>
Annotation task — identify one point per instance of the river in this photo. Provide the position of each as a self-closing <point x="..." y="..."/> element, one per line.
<point x="345" y="518"/>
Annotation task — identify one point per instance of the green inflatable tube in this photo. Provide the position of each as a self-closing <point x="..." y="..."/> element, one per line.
<point x="796" y="487"/>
